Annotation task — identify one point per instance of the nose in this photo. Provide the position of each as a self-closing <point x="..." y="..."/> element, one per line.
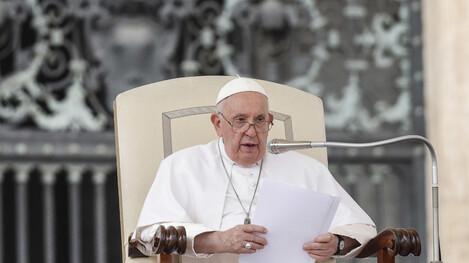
<point x="251" y="131"/>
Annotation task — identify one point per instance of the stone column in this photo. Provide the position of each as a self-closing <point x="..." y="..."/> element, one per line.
<point x="446" y="63"/>
<point x="75" y="227"/>
<point x="99" y="184"/>
<point x="48" y="180"/>
<point x="21" y="203"/>
<point x="2" y="170"/>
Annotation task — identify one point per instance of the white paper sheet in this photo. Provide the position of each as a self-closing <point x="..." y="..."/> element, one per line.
<point x="293" y="216"/>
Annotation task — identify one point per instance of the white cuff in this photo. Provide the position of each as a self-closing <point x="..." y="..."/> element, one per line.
<point x="193" y="230"/>
<point x="360" y="232"/>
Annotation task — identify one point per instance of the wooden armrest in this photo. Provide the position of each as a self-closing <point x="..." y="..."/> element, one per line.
<point x="167" y="240"/>
<point x="386" y="245"/>
<point x="392" y="242"/>
<point x="134" y="252"/>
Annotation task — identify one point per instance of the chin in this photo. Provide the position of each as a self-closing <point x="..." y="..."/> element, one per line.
<point x="250" y="160"/>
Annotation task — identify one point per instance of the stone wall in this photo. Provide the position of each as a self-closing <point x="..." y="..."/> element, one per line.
<point x="446" y="38"/>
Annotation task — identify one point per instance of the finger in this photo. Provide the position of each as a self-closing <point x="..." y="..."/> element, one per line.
<point x="254" y="228"/>
<point x="315" y="246"/>
<point x="247" y="251"/>
<point x="255" y="238"/>
<point x="256" y="246"/>
<point x="324" y="238"/>
<point x="253" y="248"/>
<point x="320" y="249"/>
<point x="321" y="253"/>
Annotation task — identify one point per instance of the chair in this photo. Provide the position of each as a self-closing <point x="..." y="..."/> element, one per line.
<point x="157" y="119"/>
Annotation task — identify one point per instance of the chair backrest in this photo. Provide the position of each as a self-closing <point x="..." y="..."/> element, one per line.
<point x="155" y="120"/>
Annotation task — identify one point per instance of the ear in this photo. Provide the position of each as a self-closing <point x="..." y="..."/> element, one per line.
<point x="215" y="119"/>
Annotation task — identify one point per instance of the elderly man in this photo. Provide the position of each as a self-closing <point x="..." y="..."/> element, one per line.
<point x="212" y="189"/>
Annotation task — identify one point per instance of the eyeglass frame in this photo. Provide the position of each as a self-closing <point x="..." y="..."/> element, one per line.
<point x="269" y="125"/>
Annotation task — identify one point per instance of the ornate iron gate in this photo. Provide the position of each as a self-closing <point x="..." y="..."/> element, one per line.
<point x="63" y="62"/>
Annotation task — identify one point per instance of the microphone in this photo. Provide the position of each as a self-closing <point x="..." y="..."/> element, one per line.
<point x="277" y="146"/>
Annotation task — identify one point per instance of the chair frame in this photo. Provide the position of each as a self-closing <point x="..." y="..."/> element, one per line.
<point x="386" y="245"/>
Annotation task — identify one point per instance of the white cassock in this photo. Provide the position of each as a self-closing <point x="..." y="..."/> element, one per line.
<point x="192" y="189"/>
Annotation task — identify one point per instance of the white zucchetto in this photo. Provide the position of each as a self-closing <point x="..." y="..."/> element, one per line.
<point x="238" y="85"/>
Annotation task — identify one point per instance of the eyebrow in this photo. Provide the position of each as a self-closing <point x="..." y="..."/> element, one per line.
<point x="245" y="116"/>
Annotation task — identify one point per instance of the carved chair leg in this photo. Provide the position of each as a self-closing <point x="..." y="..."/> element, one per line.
<point x="384" y="257"/>
<point x="165" y="258"/>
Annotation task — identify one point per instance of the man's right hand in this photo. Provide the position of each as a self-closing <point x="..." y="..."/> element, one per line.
<point x="233" y="240"/>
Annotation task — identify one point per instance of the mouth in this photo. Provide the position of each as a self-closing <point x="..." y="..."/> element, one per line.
<point x="249" y="145"/>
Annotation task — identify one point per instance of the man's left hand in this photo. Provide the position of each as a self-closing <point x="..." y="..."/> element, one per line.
<point x="322" y="247"/>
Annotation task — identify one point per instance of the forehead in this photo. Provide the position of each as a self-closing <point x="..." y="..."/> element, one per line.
<point x="246" y="103"/>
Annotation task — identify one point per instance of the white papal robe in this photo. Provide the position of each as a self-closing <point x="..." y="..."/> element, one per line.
<point x="192" y="189"/>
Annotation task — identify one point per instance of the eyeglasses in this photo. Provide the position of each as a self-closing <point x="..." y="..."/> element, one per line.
<point x="242" y="125"/>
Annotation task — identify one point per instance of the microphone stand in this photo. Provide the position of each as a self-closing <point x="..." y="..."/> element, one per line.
<point x="277" y="146"/>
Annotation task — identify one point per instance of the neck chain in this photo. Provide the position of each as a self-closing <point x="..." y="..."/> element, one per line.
<point x="247" y="220"/>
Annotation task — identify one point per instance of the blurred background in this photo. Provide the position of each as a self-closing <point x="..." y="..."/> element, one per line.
<point x="63" y="62"/>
